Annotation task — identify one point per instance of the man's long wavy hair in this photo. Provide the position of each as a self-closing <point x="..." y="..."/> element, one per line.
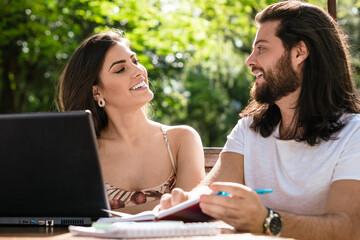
<point x="327" y="90"/>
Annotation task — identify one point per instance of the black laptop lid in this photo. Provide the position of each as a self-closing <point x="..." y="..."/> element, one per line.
<point x="49" y="166"/>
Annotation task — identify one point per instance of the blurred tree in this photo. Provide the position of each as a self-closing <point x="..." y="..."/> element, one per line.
<point x="36" y="40"/>
<point x="349" y="20"/>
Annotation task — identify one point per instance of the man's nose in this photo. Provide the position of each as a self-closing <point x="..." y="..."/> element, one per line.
<point x="250" y="61"/>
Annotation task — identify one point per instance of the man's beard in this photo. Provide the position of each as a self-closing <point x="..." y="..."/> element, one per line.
<point x="276" y="85"/>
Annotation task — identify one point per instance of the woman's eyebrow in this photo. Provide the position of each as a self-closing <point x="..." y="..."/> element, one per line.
<point x="120" y="61"/>
<point x="117" y="62"/>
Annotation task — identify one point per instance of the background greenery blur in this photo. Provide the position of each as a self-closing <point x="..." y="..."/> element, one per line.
<point x="194" y="51"/>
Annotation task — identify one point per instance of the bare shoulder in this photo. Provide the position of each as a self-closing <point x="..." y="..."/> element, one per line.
<point x="183" y="137"/>
<point x="181" y="131"/>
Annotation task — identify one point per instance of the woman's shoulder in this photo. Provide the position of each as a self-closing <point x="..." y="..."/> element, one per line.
<point x="179" y="130"/>
<point x="179" y="134"/>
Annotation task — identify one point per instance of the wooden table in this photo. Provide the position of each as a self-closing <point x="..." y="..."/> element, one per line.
<point x="60" y="233"/>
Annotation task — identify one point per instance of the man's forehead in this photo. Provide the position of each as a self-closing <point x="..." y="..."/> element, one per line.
<point x="266" y="32"/>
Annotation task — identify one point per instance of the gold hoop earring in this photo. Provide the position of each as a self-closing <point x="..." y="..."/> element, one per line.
<point x="101" y="102"/>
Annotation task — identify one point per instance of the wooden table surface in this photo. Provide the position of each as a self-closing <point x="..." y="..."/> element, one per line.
<point x="60" y="233"/>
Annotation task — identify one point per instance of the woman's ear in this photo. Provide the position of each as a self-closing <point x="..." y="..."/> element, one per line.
<point x="96" y="93"/>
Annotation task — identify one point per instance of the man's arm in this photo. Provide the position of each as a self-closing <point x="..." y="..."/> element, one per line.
<point x="228" y="168"/>
<point x="341" y="220"/>
<point x="245" y="212"/>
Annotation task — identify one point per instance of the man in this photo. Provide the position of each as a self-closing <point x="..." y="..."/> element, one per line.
<point x="300" y="135"/>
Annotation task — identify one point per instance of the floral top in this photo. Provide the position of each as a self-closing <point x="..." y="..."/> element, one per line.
<point x="120" y="198"/>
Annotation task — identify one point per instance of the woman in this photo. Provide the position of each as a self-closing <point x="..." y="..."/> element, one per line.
<point x="140" y="159"/>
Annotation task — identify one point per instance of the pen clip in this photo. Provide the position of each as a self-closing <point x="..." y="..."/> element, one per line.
<point x="263" y="190"/>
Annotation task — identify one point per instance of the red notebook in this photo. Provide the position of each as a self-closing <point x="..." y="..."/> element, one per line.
<point x="188" y="211"/>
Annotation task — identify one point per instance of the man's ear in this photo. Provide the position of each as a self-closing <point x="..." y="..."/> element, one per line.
<point x="299" y="53"/>
<point x="96" y="93"/>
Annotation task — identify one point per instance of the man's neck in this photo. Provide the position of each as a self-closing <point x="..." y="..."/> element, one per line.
<point x="287" y="106"/>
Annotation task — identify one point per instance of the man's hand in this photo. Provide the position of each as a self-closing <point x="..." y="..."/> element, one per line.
<point x="243" y="209"/>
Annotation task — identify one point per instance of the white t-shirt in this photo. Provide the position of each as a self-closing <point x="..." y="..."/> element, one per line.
<point x="299" y="174"/>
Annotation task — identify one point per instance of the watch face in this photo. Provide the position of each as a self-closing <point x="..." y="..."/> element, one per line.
<point x="275" y="226"/>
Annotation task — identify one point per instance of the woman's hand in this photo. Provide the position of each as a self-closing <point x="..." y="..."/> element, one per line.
<point x="169" y="200"/>
<point x="178" y="196"/>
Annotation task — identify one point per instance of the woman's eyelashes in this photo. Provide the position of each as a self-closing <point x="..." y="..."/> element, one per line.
<point x="135" y="61"/>
<point x="121" y="70"/>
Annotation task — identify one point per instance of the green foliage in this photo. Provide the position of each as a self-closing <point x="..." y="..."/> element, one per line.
<point x="349" y="20"/>
<point x="194" y="50"/>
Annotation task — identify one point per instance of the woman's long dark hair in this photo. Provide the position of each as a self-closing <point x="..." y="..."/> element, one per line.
<point x="327" y="90"/>
<point x="82" y="73"/>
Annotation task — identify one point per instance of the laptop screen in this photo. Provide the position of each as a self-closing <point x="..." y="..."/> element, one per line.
<point x="49" y="168"/>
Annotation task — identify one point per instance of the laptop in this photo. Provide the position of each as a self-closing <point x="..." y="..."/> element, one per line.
<point x="49" y="170"/>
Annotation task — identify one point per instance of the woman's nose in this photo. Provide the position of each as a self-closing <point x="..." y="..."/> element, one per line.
<point x="138" y="70"/>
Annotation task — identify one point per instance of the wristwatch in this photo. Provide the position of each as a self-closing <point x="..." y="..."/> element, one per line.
<point x="273" y="224"/>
